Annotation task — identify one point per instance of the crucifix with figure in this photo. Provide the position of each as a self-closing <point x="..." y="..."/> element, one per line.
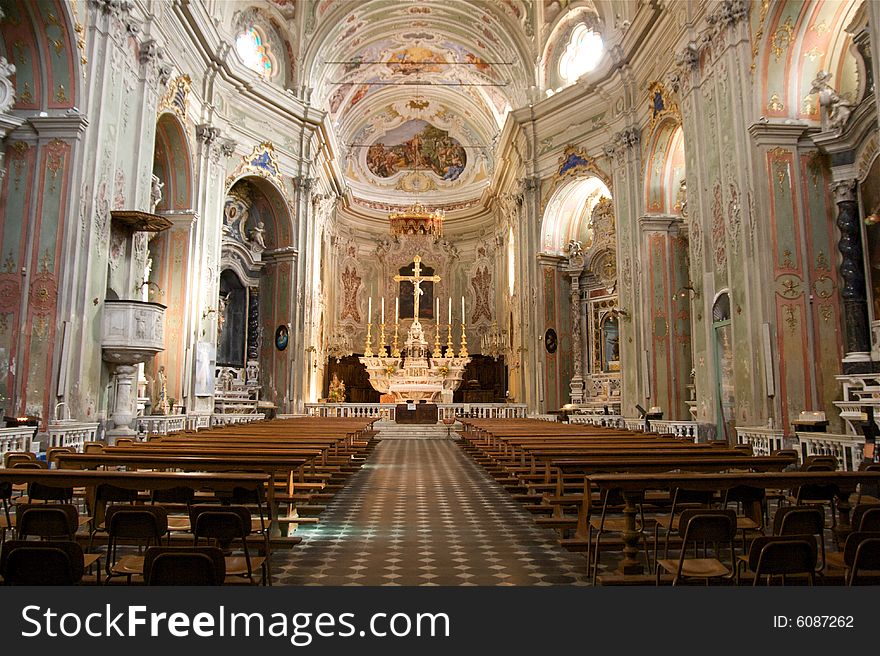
<point x="417" y="279"/>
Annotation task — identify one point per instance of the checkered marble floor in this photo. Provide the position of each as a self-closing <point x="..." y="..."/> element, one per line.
<point x="420" y="512"/>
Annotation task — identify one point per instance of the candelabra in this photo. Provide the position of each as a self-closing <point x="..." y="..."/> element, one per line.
<point x="395" y="347"/>
<point x="463" y="352"/>
<point x="494" y="342"/>
<point x="381" y="348"/>
<point x="437" y="352"/>
<point x="368" y="346"/>
<point x="450" y="349"/>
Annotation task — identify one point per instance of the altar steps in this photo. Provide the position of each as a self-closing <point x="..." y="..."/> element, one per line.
<point x="389" y="430"/>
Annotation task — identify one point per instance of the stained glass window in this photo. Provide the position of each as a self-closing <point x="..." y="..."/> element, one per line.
<point x="582" y="54"/>
<point x="253" y="50"/>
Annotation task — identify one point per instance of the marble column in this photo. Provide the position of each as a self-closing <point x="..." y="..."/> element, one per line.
<point x="577" y="379"/>
<point x="253" y="336"/>
<point x="852" y="273"/>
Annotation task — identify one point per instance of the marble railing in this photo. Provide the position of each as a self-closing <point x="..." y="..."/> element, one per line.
<point x="445" y="410"/>
<point x="611" y="421"/>
<point x="197" y="422"/>
<point x="633" y="423"/>
<point x="764" y="440"/>
<point x="71" y="433"/>
<point x="16" y="439"/>
<point x="545" y="417"/>
<point x="161" y="424"/>
<point x="848" y="449"/>
<point x="366" y="410"/>
<point x="226" y="419"/>
<point x="686" y="429"/>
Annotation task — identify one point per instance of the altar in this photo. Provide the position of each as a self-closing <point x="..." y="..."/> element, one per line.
<point x="416" y="413"/>
<point x="415" y="373"/>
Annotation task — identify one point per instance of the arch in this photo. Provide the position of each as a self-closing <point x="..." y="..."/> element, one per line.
<point x="38" y="38"/>
<point x="559" y="35"/>
<point x="172" y="164"/>
<point x="276" y="215"/>
<point x="798" y="40"/>
<point x="569" y="212"/>
<point x="665" y="169"/>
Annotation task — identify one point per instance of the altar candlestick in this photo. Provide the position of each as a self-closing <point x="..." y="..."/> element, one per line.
<point x="383" y="310"/>
<point x="450" y="311"/>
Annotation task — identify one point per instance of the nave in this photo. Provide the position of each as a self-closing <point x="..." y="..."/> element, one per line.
<point x="420" y="512"/>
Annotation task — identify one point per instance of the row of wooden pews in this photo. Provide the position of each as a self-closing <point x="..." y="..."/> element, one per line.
<point x="287" y="469"/>
<point x="586" y="482"/>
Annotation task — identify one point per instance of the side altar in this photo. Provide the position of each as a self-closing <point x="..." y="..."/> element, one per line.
<point x="415" y="373"/>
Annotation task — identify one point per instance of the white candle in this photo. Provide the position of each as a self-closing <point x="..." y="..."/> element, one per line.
<point x="450" y="310"/>
<point x="437" y="312"/>
<point x="396" y="310"/>
<point x="462" y="309"/>
<point x="370" y="311"/>
<point x="383" y="310"/>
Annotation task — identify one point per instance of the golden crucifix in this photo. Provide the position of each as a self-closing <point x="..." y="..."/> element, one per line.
<point x="417" y="279"/>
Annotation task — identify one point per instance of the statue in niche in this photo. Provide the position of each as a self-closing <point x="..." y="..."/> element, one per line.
<point x="258" y="242"/>
<point x="837" y="109"/>
<point x="162" y="407"/>
<point x="222" y="304"/>
<point x="336" y="393"/>
<point x="156" y="192"/>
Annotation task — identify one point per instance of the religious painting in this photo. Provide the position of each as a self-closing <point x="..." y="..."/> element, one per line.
<point x="482" y="285"/>
<point x="351" y="282"/>
<point x="418" y="145"/>
<point x="551" y="341"/>
<point x="610" y="344"/>
<point x="415" y="59"/>
<point x="281" y="337"/>
<point x="405" y="293"/>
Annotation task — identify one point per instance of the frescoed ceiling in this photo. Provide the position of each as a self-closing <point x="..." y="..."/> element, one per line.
<point x="418" y="91"/>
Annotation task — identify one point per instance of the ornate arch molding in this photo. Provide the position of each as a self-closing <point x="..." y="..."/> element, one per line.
<point x="659" y="154"/>
<point x="172" y="136"/>
<point x="574" y="164"/>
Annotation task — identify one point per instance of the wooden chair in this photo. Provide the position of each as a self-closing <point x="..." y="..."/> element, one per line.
<point x="773" y="555"/>
<point x="223" y="526"/>
<point x="144" y="526"/>
<point x="861" y="552"/>
<point x="93" y="447"/>
<point x="682" y="499"/>
<point x="52" y="454"/>
<point x="176" y="496"/>
<point x="184" y="566"/>
<point x="51" y="522"/>
<point x="41" y="563"/>
<point x="752" y="501"/>
<point x="799" y="521"/>
<point x="12" y="457"/>
<point x="700" y="526"/>
<point x="6" y="522"/>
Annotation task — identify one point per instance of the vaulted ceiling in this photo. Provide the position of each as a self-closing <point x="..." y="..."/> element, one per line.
<point x="418" y="92"/>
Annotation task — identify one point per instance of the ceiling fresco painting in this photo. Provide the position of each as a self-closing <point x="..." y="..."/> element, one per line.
<point x="417" y="145"/>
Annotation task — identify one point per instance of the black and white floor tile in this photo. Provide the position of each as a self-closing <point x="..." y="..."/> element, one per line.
<point x="420" y="512"/>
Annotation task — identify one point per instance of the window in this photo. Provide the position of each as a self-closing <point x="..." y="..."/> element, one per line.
<point x="581" y="55"/>
<point x="254" y="52"/>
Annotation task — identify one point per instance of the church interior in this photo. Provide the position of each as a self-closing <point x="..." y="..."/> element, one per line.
<point x="439" y="292"/>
